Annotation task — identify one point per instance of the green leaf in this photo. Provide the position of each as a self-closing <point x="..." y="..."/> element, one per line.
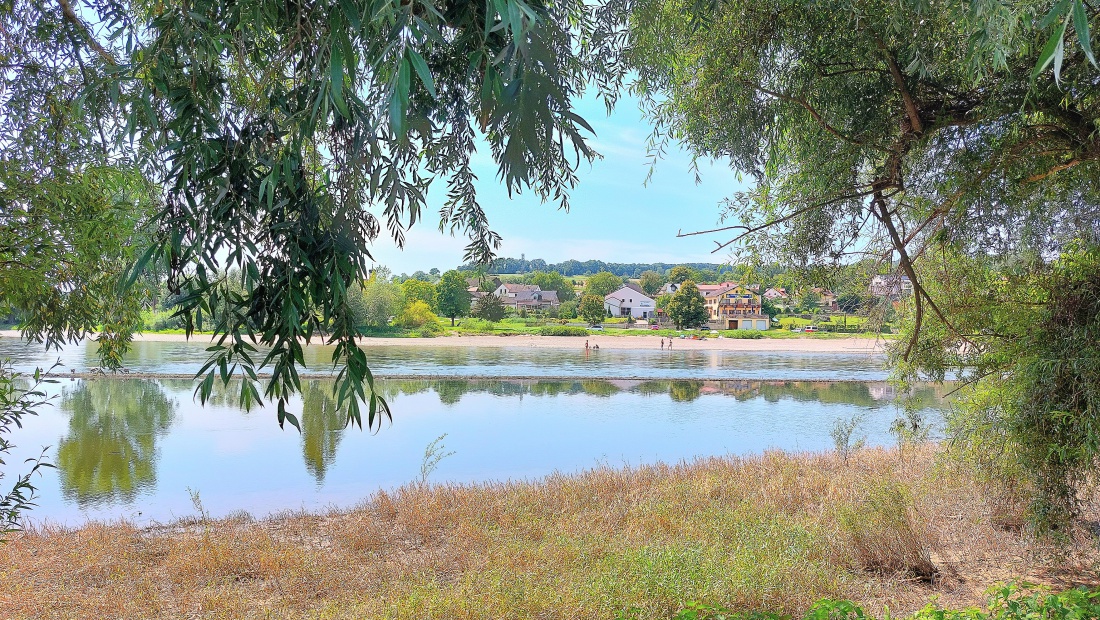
<point x="422" y="71"/>
<point x="1050" y="50"/>
<point x="1056" y="13"/>
<point x="336" y="69"/>
<point x="1081" y="25"/>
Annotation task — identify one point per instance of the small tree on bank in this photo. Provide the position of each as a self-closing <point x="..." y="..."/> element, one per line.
<point x="591" y="309"/>
<point x="687" y="308"/>
<point x="452" y="297"/>
<point x="489" y="307"/>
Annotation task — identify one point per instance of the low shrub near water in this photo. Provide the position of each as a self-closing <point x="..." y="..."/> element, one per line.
<point x="745" y="334"/>
<point x="563" y="330"/>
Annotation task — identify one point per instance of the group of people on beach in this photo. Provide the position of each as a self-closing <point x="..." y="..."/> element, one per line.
<point x="596" y="346"/>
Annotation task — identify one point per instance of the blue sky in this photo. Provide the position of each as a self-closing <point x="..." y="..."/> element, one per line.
<point x="613" y="216"/>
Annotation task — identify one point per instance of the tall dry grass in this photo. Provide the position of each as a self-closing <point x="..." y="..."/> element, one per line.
<point x="773" y="532"/>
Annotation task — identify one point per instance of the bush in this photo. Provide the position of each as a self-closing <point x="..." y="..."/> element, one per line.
<point x="744" y="334"/>
<point x="417" y="314"/>
<point x="476" y="326"/>
<point x="428" y="331"/>
<point x="563" y="330"/>
<point x="887" y="535"/>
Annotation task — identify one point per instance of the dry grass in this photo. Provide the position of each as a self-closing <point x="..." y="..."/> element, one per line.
<point x="775" y="532"/>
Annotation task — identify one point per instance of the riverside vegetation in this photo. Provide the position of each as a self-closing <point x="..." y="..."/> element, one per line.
<point x="893" y="529"/>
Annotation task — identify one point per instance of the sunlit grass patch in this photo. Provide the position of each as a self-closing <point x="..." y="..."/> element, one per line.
<point x="775" y="532"/>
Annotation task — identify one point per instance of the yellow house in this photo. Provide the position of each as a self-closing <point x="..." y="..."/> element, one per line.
<point x="736" y="307"/>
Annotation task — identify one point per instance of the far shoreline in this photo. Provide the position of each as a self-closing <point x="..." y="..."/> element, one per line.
<point x="804" y="344"/>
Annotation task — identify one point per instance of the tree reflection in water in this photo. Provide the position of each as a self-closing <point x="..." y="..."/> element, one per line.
<point x="109" y="454"/>
<point x="322" y="427"/>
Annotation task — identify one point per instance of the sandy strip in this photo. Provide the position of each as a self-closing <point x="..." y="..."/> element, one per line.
<point x="803" y="344"/>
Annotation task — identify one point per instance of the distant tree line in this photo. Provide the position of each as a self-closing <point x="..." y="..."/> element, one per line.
<point x="579" y="268"/>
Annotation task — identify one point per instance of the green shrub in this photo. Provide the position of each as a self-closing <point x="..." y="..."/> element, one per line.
<point x="563" y="330"/>
<point x="476" y="326"/>
<point x="1005" y="603"/>
<point x="745" y="334"/>
<point x="428" y="331"/>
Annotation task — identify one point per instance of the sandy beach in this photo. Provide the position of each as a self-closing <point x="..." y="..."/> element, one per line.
<point x="805" y="344"/>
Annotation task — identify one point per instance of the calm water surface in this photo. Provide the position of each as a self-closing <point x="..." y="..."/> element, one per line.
<point x="138" y="448"/>
<point x="396" y="360"/>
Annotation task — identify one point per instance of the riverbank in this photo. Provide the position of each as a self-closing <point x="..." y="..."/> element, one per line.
<point x="804" y="344"/>
<point x="776" y="532"/>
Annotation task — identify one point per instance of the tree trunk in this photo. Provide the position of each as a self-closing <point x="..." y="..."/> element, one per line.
<point x="452" y="321"/>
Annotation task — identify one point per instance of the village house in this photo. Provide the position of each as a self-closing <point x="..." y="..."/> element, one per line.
<point x="526" y="297"/>
<point x="733" y="306"/>
<point x="777" y="294"/>
<point x="631" y="301"/>
<point x="892" y="285"/>
<point x="828" y="299"/>
<point x="668" y="288"/>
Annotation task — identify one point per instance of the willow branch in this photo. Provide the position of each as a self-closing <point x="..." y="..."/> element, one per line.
<point x="907" y="97"/>
<point x="71" y="17"/>
<point x="750" y="230"/>
<point x="1060" y="167"/>
<point x="813" y="113"/>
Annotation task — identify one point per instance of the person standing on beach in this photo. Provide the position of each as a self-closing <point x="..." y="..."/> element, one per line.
<point x="585" y="345"/>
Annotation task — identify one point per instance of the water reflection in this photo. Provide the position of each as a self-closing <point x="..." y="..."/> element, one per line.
<point x="127" y="440"/>
<point x="109" y="454"/>
<point x="322" y="426"/>
<point x="450" y="392"/>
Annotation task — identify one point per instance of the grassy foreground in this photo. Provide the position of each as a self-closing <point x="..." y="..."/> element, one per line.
<point x="776" y="533"/>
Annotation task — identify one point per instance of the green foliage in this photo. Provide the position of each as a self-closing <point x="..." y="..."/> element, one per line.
<point x="809" y="301"/>
<point x="417" y="314"/>
<point x="591" y="309"/>
<point x="18" y="399"/>
<point x="844" y="436"/>
<point x="490" y="307"/>
<point x="1008" y="602"/>
<point x="849" y="302"/>
<point x="1028" y="414"/>
<point x="568" y="310"/>
<point x="651" y="282"/>
<point x="687" y="308"/>
<point x="283" y="142"/>
<point x="602" y="284"/>
<point x="562" y="330"/>
<point x="419" y="290"/>
<point x="375" y="302"/>
<point x="742" y="334"/>
<point x="452" y="297"/>
<point x="552" y="281"/>
<point x="679" y="273"/>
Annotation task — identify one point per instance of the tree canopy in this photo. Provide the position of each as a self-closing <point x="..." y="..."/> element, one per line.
<point x="451" y="295"/>
<point x="283" y="139"/>
<point x="602" y="284"/>
<point x="955" y="141"/>
<point x="687" y="308"/>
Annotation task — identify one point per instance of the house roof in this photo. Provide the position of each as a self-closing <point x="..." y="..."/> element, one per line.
<point x="518" y="288"/>
<point x="634" y="290"/>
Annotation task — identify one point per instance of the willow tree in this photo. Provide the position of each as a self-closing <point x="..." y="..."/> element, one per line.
<point x="283" y="138"/>
<point x="935" y="136"/>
